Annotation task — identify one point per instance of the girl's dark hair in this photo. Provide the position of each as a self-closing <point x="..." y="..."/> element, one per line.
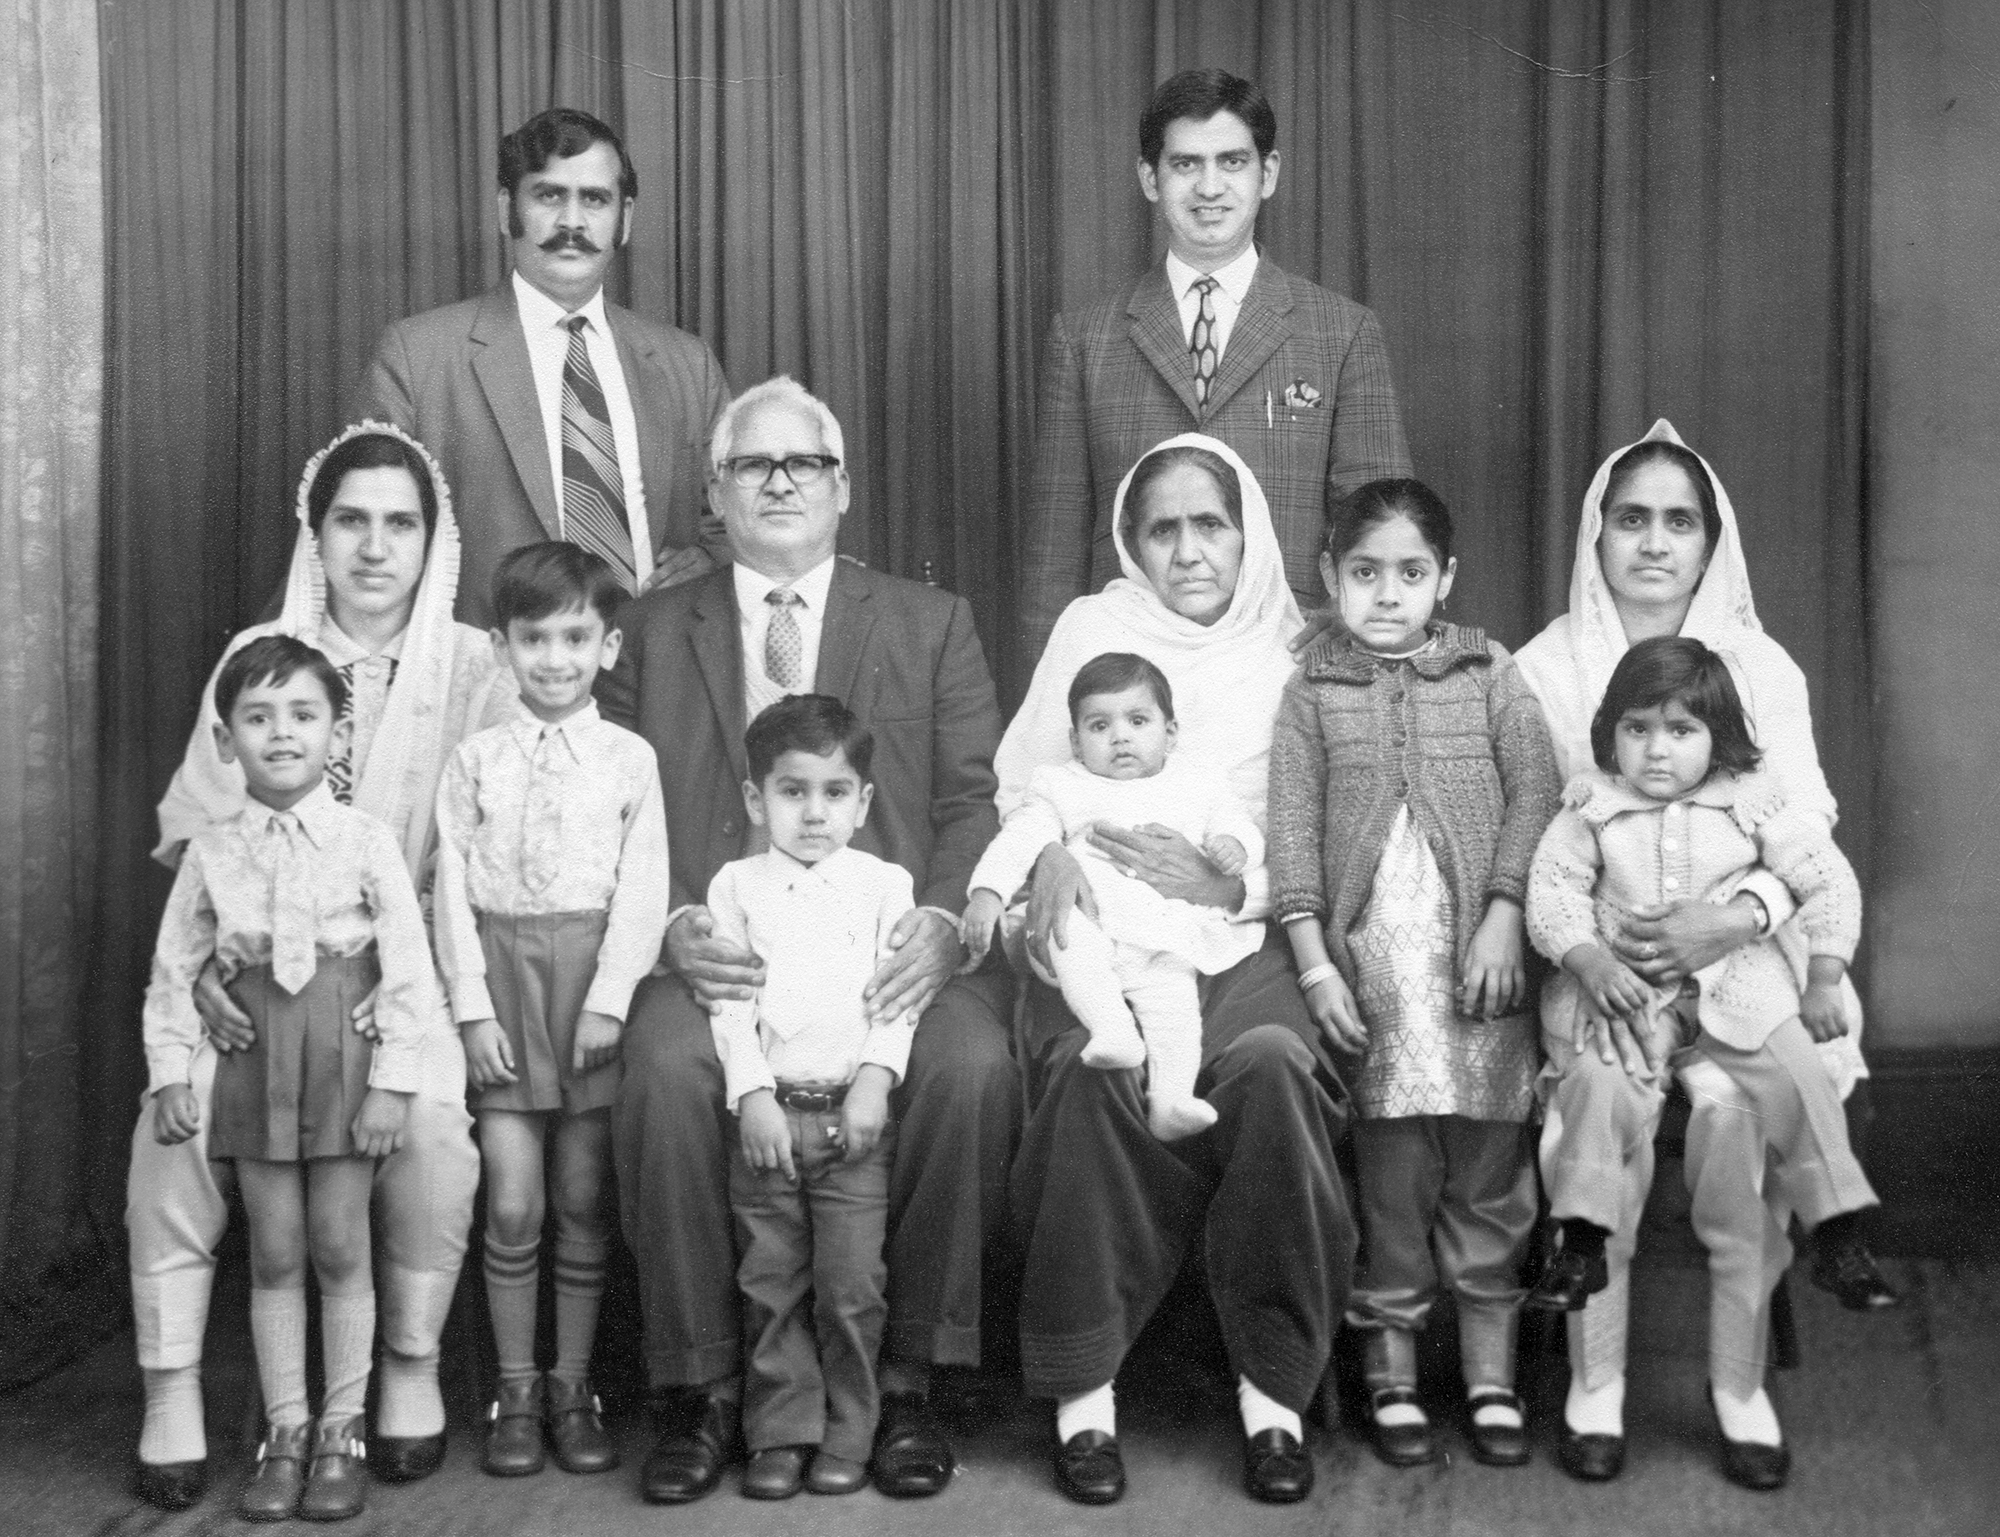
<point x="1349" y="517"/>
<point x="1113" y="672"/>
<point x="370" y="451"/>
<point x="1659" y="451"/>
<point x="1158" y="463"/>
<point x="553" y="577"/>
<point x="273" y="659"/>
<point x="808" y="723"/>
<point x="1676" y="669"/>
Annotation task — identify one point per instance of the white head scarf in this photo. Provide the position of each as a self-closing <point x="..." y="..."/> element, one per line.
<point x="1226" y="676"/>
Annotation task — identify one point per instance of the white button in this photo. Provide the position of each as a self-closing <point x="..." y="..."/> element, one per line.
<point x="1671" y="883"/>
<point x="1668" y="843"/>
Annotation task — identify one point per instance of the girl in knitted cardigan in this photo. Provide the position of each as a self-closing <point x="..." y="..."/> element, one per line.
<point x="1411" y="777"/>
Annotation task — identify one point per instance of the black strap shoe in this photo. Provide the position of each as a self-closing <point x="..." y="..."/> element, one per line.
<point x="1089" y="1469"/>
<point x="1755" y="1465"/>
<point x="1594" y="1458"/>
<point x="912" y="1456"/>
<point x="686" y="1462"/>
<point x="1276" y="1468"/>
<point x="171" y="1485"/>
<point x="405" y="1459"/>
<point x="1497" y="1445"/>
<point x="1401" y="1446"/>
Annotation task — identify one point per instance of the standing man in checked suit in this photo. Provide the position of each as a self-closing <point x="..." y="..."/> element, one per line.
<point x="555" y="414"/>
<point x="1216" y="339"/>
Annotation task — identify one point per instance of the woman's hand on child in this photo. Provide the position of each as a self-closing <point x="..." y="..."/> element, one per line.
<point x="176" y="1114"/>
<point x="976" y="925"/>
<point x="716" y="969"/>
<point x="864" y="1114"/>
<point x="489" y="1060"/>
<point x="1331" y="1005"/>
<point x="767" y="1134"/>
<point x="923" y="953"/>
<point x="1664" y="944"/>
<point x="1317" y="622"/>
<point x="364" y="1016"/>
<point x="1496" y="977"/>
<point x="1823" y="1013"/>
<point x="1227" y="854"/>
<point x="1169" y="863"/>
<point x="229" y="1028"/>
<point x="1609" y="985"/>
<point x="1615" y="1040"/>
<point x="597" y="1037"/>
<point x="1059" y="886"/>
<point x="378" y="1129"/>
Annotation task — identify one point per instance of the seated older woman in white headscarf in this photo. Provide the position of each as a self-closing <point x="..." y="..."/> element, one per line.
<point x="1657" y="553"/>
<point x="1106" y="1209"/>
<point x="373" y="575"/>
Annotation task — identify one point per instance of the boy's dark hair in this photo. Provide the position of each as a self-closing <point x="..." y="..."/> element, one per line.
<point x="1350" y="516"/>
<point x="1660" y="451"/>
<point x="370" y="451"/>
<point x="1676" y="669"/>
<point x="1113" y="672"/>
<point x="557" y="134"/>
<point x="1200" y="94"/>
<point x="273" y="659"/>
<point x="553" y="577"/>
<point x="810" y="723"/>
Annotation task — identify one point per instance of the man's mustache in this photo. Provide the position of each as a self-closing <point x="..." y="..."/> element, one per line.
<point x="571" y="240"/>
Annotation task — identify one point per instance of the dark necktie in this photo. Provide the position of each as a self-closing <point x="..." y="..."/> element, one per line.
<point x="593" y="487"/>
<point x="1202" y="342"/>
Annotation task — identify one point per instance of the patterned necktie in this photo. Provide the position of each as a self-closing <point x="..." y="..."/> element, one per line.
<point x="541" y="817"/>
<point x="784" y="647"/>
<point x="1202" y="342"/>
<point x="593" y="487"/>
<point x="292" y="959"/>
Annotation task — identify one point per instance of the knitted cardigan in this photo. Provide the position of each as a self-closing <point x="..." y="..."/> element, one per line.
<point x="1452" y="732"/>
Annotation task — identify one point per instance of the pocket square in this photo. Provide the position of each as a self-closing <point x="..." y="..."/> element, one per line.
<point x="1300" y="395"/>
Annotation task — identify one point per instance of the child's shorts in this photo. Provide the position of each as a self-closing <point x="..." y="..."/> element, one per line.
<point x="295" y="1092"/>
<point x="539" y="970"/>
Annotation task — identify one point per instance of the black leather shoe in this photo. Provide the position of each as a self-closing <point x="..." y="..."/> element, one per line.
<point x="1401" y="1446"/>
<point x="1568" y="1280"/>
<point x="1089" y="1469"/>
<point x="775" y="1473"/>
<point x="1849" y="1271"/>
<point x="171" y="1485"/>
<point x="831" y="1474"/>
<point x="1276" y="1468"/>
<point x="514" y="1430"/>
<point x="337" y="1485"/>
<point x="574" y="1420"/>
<point x="1596" y="1459"/>
<point x="912" y="1456"/>
<point x="1753" y="1465"/>
<point x="405" y="1459"/>
<point x="1498" y="1446"/>
<point x="687" y="1460"/>
<point x="274" y="1489"/>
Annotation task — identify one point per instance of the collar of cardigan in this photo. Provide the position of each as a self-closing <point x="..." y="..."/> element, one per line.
<point x="1336" y="658"/>
<point x="1751" y="799"/>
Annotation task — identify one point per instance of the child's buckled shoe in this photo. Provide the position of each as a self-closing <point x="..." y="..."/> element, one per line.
<point x="575" y="1421"/>
<point x="337" y="1485"/>
<point x="514" y="1430"/>
<point x="1400" y="1445"/>
<point x="273" y="1491"/>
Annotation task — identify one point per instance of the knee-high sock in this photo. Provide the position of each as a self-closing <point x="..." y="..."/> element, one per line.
<point x="278" y="1330"/>
<point x="512" y="1277"/>
<point x="413" y="1305"/>
<point x="174" y="1431"/>
<point x="579" y="1289"/>
<point x="347" y="1347"/>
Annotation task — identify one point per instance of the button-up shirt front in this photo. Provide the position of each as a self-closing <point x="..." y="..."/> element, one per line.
<point x="1232" y="285"/>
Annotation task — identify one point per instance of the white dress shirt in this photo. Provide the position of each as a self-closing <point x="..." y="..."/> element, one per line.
<point x="1232" y="282"/>
<point x="545" y="323"/>
<point x="753" y="616"/>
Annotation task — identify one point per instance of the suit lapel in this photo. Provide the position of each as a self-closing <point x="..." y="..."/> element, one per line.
<point x="646" y="383"/>
<point x="508" y="378"/>
<point x="850" y="617"/>
<point x="1156" y="332"/>
<point x="718" y="652"/>
<point x="1262" y="325"/>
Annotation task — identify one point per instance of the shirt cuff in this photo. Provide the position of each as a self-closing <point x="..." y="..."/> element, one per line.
<point x="167" y="1065"/>
<point x="397" y="1069"/>
<point x="744" y="1068"/>
<point x="610" y="994"/>
<point x="1776" y="896"/>
<point x="1256" y="894"/>
<point x="888" y="1046"/>
<point x="470" y="1000"/>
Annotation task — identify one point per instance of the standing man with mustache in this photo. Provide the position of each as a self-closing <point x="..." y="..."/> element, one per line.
<point x="555" y="414"/>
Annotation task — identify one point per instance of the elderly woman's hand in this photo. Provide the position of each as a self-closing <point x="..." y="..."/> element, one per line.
<point x="1170" y="864"/>
<point x="1058" y="886"/>
<point x="1664" y="944"/>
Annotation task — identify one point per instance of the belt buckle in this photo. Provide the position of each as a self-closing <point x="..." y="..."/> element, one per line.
<point x="809" y="1099"/>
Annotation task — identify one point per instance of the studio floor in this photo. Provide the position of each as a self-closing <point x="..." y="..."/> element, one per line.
<point x="1894" y="1421"/>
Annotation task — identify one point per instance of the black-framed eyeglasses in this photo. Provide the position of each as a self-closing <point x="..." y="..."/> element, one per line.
<point x="754" y="471"/>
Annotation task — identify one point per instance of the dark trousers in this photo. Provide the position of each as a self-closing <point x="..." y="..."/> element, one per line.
<point x="812" y="1278"/>
<point x="1106" y="1211"/>
<point x="958" y="1115"/>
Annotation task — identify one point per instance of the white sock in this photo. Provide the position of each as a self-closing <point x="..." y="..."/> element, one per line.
<point x="1492" y="1413"/>
<point x="1262" y="1412"/>
<point x="347" y="1347"/>
<point x="278" y="1330"/>
<point x="173" y="1431"/>
<point x="1748" y="1419"/>
<point x="1394" y="1415"/>
<point x="412" y="1305"/>
<point x="1595" y="1412"/>
<point x="1095" y="1410"/>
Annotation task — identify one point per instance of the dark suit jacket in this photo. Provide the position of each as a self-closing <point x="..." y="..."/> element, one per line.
<point x="902" y="656"/>
<point x="1303" y="394"/>
<point x="459" y="379"/>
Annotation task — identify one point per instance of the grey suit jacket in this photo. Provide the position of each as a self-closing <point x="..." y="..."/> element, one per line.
<point x="1303" y="393"/>
<point x="459" y="379"/>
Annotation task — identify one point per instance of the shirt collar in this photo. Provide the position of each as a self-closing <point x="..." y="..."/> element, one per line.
<point x="541" y="313"/>
<point x="316" y="811"/>
<point x="752" y="587"/>
<point x="527" y="727"/>
<point x="344" y="651"/>
<point x="789" y="872"/>
<point x="1232" y="277"/>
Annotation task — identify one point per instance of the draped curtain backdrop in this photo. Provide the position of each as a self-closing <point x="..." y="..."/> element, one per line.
<point x="1570" y="218"/>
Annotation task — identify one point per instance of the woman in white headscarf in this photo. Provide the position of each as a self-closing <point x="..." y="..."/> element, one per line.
<point x="373" y="576"/>
<point x="1105" y="1208"/>
<point x="1658" y="553"/>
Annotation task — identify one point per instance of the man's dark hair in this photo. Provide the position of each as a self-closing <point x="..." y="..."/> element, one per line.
<point x="273" y="659"/>
<point x="1200" y="94"/>
<point x="1113" y="672"/>
<point x="553" y="577"/>
<point x="1676" y="669"/>
<point x="810" y="723"/>
<point x="370" y="451"/>
<point x="557" y="134"/>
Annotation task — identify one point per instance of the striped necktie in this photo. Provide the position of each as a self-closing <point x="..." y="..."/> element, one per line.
<point x="1202" y="342"/>
<point x="593" y="487"/>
